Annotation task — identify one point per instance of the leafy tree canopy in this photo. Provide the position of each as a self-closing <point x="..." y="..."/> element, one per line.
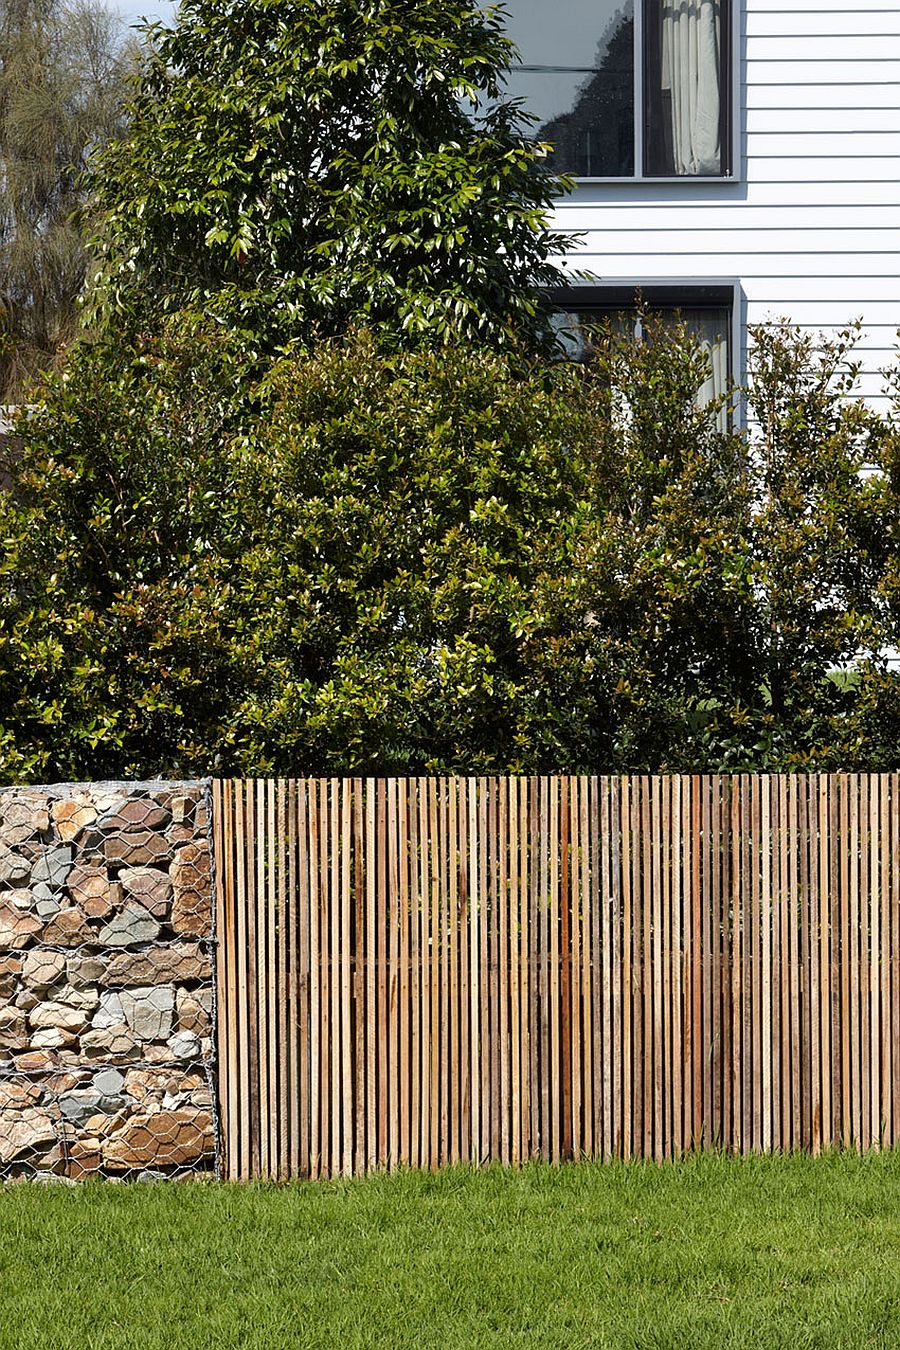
<point x="426" y="561"/>
<point x="295" y="166"/>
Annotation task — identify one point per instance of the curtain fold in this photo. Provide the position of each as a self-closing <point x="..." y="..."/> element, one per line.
<point x="690" y="76"/>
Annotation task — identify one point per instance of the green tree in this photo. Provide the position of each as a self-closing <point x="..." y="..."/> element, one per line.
<point x="295" y="166"/>
<point x="63" y="70"/>
<point x="457" y="560"/>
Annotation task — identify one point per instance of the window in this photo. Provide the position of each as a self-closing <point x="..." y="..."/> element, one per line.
<point x="628" y="88"/>
<point x="707" y="311"/>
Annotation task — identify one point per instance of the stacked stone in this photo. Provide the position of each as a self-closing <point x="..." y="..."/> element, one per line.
<point x="105" y="980"/>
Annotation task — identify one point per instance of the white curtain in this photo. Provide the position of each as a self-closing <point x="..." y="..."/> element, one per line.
<point x="690" y="74"/>
<point x="714" y="341"/>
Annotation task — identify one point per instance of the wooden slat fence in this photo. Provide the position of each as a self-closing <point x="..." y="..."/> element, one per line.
<point x="418" y="971"/>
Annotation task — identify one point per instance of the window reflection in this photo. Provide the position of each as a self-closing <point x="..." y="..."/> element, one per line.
<point x="577" y="77"/>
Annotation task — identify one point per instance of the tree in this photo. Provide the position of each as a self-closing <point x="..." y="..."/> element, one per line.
<point x="63" y="71"/>
<point x="295" y="166"/>
<point x="446" y="561"/>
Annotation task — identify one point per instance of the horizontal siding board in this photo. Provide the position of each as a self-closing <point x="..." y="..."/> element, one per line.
<point x="809" y="229"/>
<point x="842" y="21"/>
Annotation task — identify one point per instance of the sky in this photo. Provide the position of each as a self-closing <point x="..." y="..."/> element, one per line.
<point x="134" y="10"/>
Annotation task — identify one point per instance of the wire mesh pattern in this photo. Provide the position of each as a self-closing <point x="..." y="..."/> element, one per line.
<point x="106" y="982"/>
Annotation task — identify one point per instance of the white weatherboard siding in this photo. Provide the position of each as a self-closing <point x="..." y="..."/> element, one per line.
<point x="811" y="228"/>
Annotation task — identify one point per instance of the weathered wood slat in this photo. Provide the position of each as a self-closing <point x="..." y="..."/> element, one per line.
<point x="417" y="972"/>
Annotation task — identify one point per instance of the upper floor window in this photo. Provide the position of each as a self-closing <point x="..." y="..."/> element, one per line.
<point x="628" y="88"/>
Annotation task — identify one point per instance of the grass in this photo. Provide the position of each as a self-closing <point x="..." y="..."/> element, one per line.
<point x="759" y="1252"/>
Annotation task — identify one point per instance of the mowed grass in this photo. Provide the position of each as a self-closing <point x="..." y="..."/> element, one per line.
<point x="711" y="1251"/>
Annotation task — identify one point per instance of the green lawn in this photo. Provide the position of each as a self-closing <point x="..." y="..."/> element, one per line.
<point x="709" y="1252"/>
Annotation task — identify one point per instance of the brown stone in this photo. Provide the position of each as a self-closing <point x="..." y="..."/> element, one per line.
<point x="35" y="1061"/>
<point x="53" y="1038"/>
<point x="58" y="1083"/>
<point x="13" y="1029"/>
<point x="10" y="969"/>
<point x="192" y="903"/>
<point x="91" y="889"/>
<point x="26" y="1000"/>
<point x="112" y="1043"/>
<point x="42" y="968"/>
<point x="105" y="1125"/>
<point x="145" y="1084"/>
<point x="137" y="848"/>
<point x="71" y="815"/>
<point x="149" y="887"/>
<point x="69" y="928"/>
<point x="17" y="927"/>
<point x="182" y="810"/>
<point x="84" y="1157"/>
<point x="23" y="1132"/>
<point x="13" y="836"/>
<point x="166" y="1139"/>
<point x="58" y="1015"/>
<point x="17" y="1096"/>
<point x="159" y="965"/>
<point x="134" y="814"/>
<point x="25" y="809"/>
<point x="192" y="1011"/>
<point x="179" y="834"/>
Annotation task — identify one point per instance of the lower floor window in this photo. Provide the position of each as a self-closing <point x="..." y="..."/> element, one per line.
<point x="706" y="311"/>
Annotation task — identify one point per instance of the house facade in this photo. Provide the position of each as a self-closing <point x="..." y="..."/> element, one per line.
<point x="736" y="159"/>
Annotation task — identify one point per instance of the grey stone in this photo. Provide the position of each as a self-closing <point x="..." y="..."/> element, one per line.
<point x="84" y="971"/>
<point x="42" y="891"/>
<point x="184" y="1046"/>
<point x="110" y="1012"/>
<point x="53" y="866"/>
<point x="109" y="1083"/>
<point x="132" y="926"/>
<point x="47" y="908"/>
<point x="79" y="1106"/>
<point x="149" y="1011"/>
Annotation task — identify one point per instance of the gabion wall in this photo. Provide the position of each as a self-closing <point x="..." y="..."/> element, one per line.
<point x="106" y="981"/>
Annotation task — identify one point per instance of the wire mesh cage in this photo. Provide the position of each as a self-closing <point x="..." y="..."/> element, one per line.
<point x="106" y="982"/>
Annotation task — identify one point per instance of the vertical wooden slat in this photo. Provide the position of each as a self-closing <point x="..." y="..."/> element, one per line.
<point x="465" y="1031"/>
<point x="425" y="837"/>
<point x="512" y="954"/>
<point x="415" y="976"/>
<point x="453" y="1049"/>
<point x="527" y="990"/>
<point x="501" y="981"/>
<point x="565" y="973"/>
<point x="826" y="1071"/>
<point x="404" y="995"/>
<point x="589" y="904"/>
<point x="677" y="1042"/>
<point x="359" y="972"/>
<point x="486" y="893"/>
<point x="346" y="974"/>
<point x="475" y="972"/>
<point x="392" y="975"/>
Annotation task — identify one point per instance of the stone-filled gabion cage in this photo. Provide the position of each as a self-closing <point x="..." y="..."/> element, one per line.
<point x="106" y="981"/>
